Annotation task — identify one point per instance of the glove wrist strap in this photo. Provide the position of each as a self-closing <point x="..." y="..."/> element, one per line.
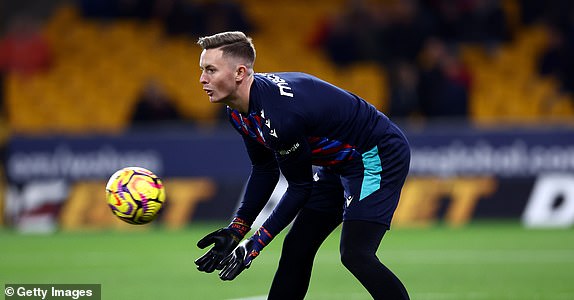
<point x="261" y="238"/>
<point x="239" y="227"/>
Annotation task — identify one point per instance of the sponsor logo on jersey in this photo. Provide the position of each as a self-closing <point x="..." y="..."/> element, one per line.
<point x="290" y="150"/>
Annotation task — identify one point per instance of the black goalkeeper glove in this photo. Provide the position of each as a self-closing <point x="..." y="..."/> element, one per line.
<point x="224" y="241"/>
<point x="241" y="258"/>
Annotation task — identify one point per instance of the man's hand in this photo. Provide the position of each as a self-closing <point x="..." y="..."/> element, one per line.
<point x="225" y="240"/>
<point x="239" y="260"/>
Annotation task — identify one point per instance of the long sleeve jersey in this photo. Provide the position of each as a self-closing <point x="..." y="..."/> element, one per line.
<point x="295" y="121"/>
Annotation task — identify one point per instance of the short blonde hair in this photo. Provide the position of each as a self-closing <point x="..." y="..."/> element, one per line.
<point x="232" y="43"/>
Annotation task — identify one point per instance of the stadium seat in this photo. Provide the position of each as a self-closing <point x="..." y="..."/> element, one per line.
<point x="101" y="66"/>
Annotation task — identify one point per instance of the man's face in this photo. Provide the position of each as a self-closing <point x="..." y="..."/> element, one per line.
<point x="217" y="76"/>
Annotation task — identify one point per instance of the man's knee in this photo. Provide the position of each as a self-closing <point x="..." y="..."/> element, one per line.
<point x="356" y="259"/>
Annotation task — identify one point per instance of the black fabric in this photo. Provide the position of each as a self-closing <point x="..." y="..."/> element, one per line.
<point x="359" y="243"/>
<point x="308" y="232"/>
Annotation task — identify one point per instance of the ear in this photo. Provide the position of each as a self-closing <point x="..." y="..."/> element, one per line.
<point x="241" y="72"/>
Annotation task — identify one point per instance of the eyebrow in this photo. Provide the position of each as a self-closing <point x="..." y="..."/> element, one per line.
<point x="208" y="66"/>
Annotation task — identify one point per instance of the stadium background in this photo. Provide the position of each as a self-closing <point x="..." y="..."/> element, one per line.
<point x="484" y="177"/>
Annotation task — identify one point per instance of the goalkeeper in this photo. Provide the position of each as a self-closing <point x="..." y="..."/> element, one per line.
<point x="291" y="122"/>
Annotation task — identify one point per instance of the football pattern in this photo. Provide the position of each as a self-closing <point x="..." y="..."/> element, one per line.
<point x="135" y="195"/>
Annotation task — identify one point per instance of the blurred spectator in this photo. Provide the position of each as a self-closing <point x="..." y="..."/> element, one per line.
<point x="2" y="89"/>
<point x="195" y="19"/>
<point x="444" y="82"/>
<point x="350" y="36"/>
<point x="113" y="9"/>
<point x="136" y="9"/>
<point x="98" y="9"/>
<point x="396" y="30"/>
<point x="556" y="59"/>
<point x="406" y="29"/>
<point x="485" y="23"/>
<point x="531" y="11"/>
<point x="154" y="105"/>
<point x="224" y="15"/>
<point x="24" y="50"/>
<point x="404" y="97"/>
<point x="559" y="13"/>
<point x="469" y="21"/>
<point x="447" y="17"/>
<point x="179" y="17"/>
<point x="555" y="11"/>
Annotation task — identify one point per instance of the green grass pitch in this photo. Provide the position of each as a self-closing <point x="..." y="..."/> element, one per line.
<point x="479" y="261"/>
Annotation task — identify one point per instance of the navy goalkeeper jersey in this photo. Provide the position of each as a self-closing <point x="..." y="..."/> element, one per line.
<point x="295" y="121"/>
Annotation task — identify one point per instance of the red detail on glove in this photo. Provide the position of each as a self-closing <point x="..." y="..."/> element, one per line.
<point x="240" y="226"/>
